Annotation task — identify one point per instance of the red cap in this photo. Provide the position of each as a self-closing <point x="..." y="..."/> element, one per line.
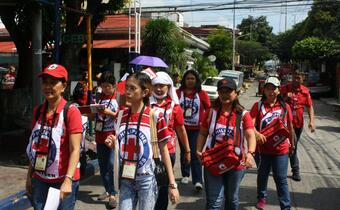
<point x="55" y="70"/>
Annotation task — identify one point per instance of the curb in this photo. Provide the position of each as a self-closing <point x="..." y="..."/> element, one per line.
<point x="20" y="201"/>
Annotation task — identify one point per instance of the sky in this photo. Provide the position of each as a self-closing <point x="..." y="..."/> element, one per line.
<point x="275" y="16"/>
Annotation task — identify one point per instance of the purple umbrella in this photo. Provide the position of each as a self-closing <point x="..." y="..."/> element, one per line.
<point x="149" y="61"/>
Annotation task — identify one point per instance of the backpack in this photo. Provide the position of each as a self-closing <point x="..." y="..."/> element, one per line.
<point x="82" y="158"/>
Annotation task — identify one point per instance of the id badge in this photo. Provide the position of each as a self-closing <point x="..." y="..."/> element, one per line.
<point x="129" y="169"/>
<point x="40" y="162"/>
<point x="188" y="113"/>
<point x="99" y="125"/>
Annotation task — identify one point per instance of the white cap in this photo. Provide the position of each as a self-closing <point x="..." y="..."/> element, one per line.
<point x="273" y="80"/>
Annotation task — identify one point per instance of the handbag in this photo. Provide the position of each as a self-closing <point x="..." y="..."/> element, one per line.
<point x="160" y="170"/>
<point x="226" y="156"/>
<point x="276" y="132"/>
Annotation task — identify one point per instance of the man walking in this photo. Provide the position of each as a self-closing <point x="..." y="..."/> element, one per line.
<point x="298" y="96"/>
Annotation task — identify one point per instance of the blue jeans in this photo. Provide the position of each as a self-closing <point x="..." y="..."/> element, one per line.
<point x="225" y="186"/>
<point x="294" y="160"/>
<point x="279" y="165"/>
<point x="142" y="191"/>
<point x="40" y="191"/>
<point x="105" y="160"/>
<point x="163" y="200"/>
<point x="196" y="167"/>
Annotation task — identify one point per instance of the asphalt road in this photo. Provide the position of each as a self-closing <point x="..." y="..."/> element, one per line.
<point x="319" y="155"/>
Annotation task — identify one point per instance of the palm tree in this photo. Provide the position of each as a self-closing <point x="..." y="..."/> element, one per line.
<point x="162" y="38"/>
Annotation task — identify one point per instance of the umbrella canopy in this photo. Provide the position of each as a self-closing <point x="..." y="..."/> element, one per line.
<point x="149" y="61"/>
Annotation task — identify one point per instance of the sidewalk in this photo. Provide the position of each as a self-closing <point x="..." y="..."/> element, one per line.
<point x="13" y="178"/>
<point x="331" y="101"/>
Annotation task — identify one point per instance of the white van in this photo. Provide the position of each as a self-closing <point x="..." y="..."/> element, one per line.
<point x="236" y="75"/>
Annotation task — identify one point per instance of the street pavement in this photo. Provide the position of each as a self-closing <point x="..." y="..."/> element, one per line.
<point x="319" y="155"/>
<point x="319" y="161"/>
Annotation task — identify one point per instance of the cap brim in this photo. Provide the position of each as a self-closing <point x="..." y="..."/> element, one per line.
<point x="52" y="75"/>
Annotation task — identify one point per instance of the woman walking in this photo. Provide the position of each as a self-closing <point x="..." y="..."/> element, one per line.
<point x="272" y="153"/>
<point x="54" y="145"/>
<point x="138" y="182"/>
<point x="164" y="100"/>
<point x="226" y="122"/>
<point x="194" y="102"/>
<point x="104" y="126"/>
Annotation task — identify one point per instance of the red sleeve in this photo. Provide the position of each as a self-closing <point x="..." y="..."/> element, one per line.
<point x="205" y="123"/>
<point x="205" y="100"/>
<point x="247" y="121"/>
<point x="178" y="115"/>
<point x="74" y="123"/>
<point x="309" y="100"/>
<point x="254" y="110"/>
<point x="163" y="133"/>
<point x="289" y="113"/>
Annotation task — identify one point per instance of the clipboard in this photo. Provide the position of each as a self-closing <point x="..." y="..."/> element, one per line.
<point x="91" y="109"/>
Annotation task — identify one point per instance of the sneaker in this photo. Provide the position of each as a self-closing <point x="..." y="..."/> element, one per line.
<point x="112" y="203"/>
<point x="198" y="186"/>
<point x="261" y="203"/>
<point x="103" y="196"/>
<point x="185" y="180"/>
<point x="296" y="177"/>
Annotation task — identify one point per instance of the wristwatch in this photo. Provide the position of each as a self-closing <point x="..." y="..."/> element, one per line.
<point x="173" y="186"/>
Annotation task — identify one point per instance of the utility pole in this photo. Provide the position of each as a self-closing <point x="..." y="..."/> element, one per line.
<point x="37" y="56"/>
<point x="234" y="38"/>
<point x="286" y="16"/>
<point x="56" y="31"/>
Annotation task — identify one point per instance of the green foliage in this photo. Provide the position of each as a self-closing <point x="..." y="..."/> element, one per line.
<point x="258" y="29"/>
<point x="204" y="66"/>
<point x="221" y="45"/>
<point x="252" y="52"/>
<point x="162" y="38"/>
<point x="313" y="48"/>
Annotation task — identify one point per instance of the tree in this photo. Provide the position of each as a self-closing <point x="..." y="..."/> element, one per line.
<point x="313" y="48"/>
<point x="221" y="46"/>
<point x="204" y="66"/>
<point x="252" y="53"/>
<point x="162" y="38"/>
<point x="258" y="29"/>
<point x="17" y="21"/>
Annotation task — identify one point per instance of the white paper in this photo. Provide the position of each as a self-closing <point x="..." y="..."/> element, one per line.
<point x="53" y="199"/>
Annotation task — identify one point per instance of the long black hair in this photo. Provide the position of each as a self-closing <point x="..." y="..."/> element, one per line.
<point x="198" y="86"/>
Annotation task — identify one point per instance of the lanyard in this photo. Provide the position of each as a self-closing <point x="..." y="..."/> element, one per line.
<point x="227" y="127"/>
<point x="43" y="121"/>
<point x="138" y="126"/>
<point x="107" y="106"/>
<point x="192" y="101"/>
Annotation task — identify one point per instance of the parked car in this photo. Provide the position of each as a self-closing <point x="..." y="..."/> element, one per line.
<point x="318" y="83"/>
<point x="236" y="75"/>
<point x="210" y="86"/>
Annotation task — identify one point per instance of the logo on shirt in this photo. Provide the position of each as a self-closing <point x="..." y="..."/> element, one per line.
<point x="43" y="146"/>
<point x="129" y="150"/>
<point x="268" y="119"/>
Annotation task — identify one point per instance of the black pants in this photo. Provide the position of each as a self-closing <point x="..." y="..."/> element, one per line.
<point x="163" y="191"/>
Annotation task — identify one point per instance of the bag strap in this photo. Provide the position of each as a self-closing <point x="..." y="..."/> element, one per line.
<point x="238" y="141"/>
<point x="257" y="123"/>
<point x="116" y="168"/>
<point x="153" y="134"/>
<point x="119" y="120"/>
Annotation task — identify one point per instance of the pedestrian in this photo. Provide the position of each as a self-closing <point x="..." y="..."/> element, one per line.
<point x="80" y="92"/>
<point x="9" y="79"/>
<point x="194" y="102"/>
<point x="272" y="150"/>
<point x="54" y="145"/>
<point x="226" y="121"/>
<point x="298" y="96"/>
<point x="176" y="80"/>
<point x="164" y="100"/>
<point x="104" y="126"/>
<point x="137" y="179"/>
